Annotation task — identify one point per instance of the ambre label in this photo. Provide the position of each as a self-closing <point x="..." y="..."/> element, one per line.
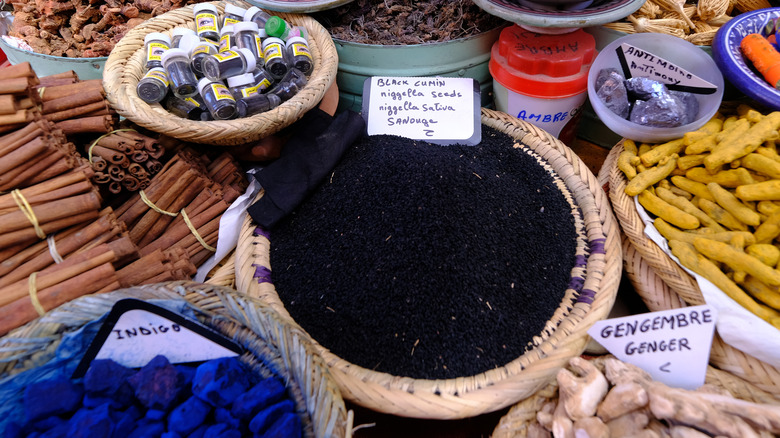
<point x="433" y="109"/>
<point x="672" y="345"/>
<point x="637" y="62"/>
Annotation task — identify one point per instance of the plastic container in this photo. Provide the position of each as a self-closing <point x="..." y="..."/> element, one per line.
<point x="153" y="87"/>
<point x="542" y="78"/>
<point x="299" y="55"/>
<point x="229" y="63"/>
<point x="273" y="56"/>
<point x="155" y="45"/>
<point x="206" y="21"/>
<point x="176" y="63"/>
<point x="674" y="50"/>
<point x="220" y="103"/>
<point x="233" y="14"/>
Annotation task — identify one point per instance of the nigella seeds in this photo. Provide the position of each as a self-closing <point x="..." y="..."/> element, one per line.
<point x="427" y="261"/>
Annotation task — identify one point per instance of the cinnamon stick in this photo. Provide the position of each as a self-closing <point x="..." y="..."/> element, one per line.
<point x="13" y="140"/>
<point x="21" y="311"/>
<point x="8" y="104"/>
<point x="73" y="112"/>
<point x="50" y="211"/>
<point x="24" y="153"/>
<point x="71" y="89"/>
<point x="23" y="69"/>
<point x="113" y="156"/>
<point x="99" y="124"/>
<point x="33" y="192"/>
<point x="17" y="85"/>
<point x="179" y="230"/>
<point x="70" y="102"/>
<point x="20" y="116"/>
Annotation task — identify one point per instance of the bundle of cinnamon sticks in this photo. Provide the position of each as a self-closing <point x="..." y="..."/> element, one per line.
<point x="125" y="160"/>
<point x="75" y="106"/>
<point x="18" y="101"/>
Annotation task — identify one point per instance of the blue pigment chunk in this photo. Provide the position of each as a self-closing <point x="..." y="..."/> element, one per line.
<point x="91" y="423"/>
<point x="186" y="417"/>
<point x="265" y="418"/>
<point x="172" y="435"/>
<point x="222" y="430"/>
<point x="47" y="423"/>
<point x="223" y="415"/>
<point x="105" y="377"/>
<point x="157" y="385"/>
<point x="148" y="430"/>
<point x="58" y="431"/>
<point x="155" y="414"/>
<point x="265" y="393"/>
<point x="13" y="430"/>
<point x="288" y="425"/>
<point x="200" y="432"/>
<point x="51" y="397"/>
<point x="220" y="381"/>
<point x="125" y="421"/>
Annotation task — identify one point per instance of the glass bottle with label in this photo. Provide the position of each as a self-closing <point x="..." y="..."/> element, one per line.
<point x="242" y="85"/>
<point x="177" y="33"/>
<point x="153" y="87"/>
<point x="256" y="104"/>
<point x="299" y="54"/>
<point x="187" y="108"/>
<point x="155" y="44"/>
<point x="199" y="53"/>
<point x="206" y="21"/>
<point x="184" y="83"/>
<point x="273" y="55"/>
<point x="248" y="37"/>
<point x="233" y="14"/>
<point x="229" y="63"/>
<point x="257" y="15"/>
<point x="220" y="103"/>
<point x="289" y="85"/>
<point x="227" y="38"/>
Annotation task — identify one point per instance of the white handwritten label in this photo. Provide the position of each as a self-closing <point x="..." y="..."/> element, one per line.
<point x="672" y="345"/>
<point x="637" y="62"/>
<point x="136" y="331"/>
<point x="433" y="109"/>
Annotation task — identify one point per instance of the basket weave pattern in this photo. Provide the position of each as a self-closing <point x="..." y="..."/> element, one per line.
<point x="492" y="390"/>
<point x="671" y="287"/>
<point x="125" y="67"/>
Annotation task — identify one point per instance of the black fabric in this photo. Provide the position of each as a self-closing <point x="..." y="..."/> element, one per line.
<point x="318" y="141"/>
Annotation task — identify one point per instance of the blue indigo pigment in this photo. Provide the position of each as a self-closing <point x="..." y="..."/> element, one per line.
<point x="427" y="261"/>
<point x="220" y="397"/>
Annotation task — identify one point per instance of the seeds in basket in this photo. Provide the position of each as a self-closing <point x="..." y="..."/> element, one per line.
<point x="427" y="261"/>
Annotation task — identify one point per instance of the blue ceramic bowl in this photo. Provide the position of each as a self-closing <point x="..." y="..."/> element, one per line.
<point x="734" y="66"/>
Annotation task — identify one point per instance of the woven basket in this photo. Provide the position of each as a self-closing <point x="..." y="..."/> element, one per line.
<point x="676" y="287"/>
<point x="273" y="346"/>
<point x="515" y="423"/>
<point x="125" y="67"/>
<point x="495" y="389"/>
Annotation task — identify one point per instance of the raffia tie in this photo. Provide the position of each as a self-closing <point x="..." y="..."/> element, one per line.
<point x="94" y="143"/>
<point x="151" y="205"/>
<point x="195" y="232"/>
<point x="55" y="255"/>
<point x="26" y="208"/>
<point x="33" y="289"/>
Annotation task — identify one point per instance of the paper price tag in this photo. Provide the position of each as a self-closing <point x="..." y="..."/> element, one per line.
<point x="672" y="345"/>
<point x="136" y="331"/>
<point x="434" y="109"/>
<point x="637" y="62"/>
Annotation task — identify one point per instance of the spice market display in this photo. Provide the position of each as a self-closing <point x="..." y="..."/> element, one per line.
<point x="210" y="238"/>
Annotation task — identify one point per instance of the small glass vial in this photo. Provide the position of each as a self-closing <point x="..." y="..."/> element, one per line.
<point x="177" y="33"/>
<point x="263" y="80"/>
<point x="229" y="63"/>
<point x="219" y="101"/>
<point x="204" y="49"/>
<point x="227" y="39"/>
<point x="187" y="108"/>
<point x="184" y="83"/>
<point x="206" y="21"/>
<point x="153" y="87"/>
<point x="299" y="54"/>
<point x="257" y="15"/>
<point x="290" y="85"/>
<point x="256" y="104"/>
<point x="155" y="43"/>
<point x="242" y="85"/>
<point x="277" y="27"/>
<point x="248" y="37"/>
<point x="233" y="14"/>
<point x="273" y="55"/>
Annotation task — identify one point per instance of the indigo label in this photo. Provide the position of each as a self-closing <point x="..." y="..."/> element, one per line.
<point x="672" y="345"/>
<point x="422" y="108"/>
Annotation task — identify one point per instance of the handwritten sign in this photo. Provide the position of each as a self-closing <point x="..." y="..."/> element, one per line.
<point x="433" y="109"/>
<point x="136" y="331"/>
<point x="637" y="62"/>
<point x="672" y="345"/>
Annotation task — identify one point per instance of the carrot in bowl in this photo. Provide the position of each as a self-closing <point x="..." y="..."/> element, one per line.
<point x="765" y="58"/>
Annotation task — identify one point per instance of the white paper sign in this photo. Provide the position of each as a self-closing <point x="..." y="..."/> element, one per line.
<point x="434" y="109"/>
<point x="641" y="63"/>
<point x="672" y="345"/>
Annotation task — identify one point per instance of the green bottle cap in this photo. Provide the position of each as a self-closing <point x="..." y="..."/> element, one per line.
<point x="275" y="26"/>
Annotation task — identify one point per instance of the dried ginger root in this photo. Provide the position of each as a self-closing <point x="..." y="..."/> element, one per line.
<point x="635" y="405"/>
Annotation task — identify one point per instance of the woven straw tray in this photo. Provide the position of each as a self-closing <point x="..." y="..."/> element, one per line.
<point x="125" y="67"/>
<point x="671" y="287"/>
<point x="521" y="378"/>
<point x="272" y="344"/>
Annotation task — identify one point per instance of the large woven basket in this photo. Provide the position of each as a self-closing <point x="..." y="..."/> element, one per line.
<point x="273" y="346"/>
<point x="676" y="287"/>
<point x="521" y="378"/>
<point x="125" y="67"/>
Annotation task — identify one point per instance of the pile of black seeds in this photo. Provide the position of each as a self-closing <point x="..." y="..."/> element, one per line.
<point x="427" y="261"/>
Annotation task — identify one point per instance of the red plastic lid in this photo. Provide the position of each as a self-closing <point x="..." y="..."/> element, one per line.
<point x="541" y="65"/>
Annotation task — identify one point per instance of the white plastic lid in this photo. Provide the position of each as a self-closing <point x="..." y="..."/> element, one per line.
<point x="245" y="26"/>
<point x="270" y="40"/>
<point x="227" y="28"/>
<point x="239" y="80"/>
<point x="181" y="31"/>
<point x="157" y="36"/>
<point x="232" y="9"/>
<point x="203" y="83"/>
<point x="293" y="40"/>
<point x="251" y="13"/>
<point x="263" y="34"/>
<point x="251" y="61"/>
<point x="204" y="7"/>
<point x="188" y="42"/>
<point x="173" y="53"/>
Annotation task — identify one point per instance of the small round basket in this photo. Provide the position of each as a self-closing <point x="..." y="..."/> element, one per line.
<point x="671" y="287"/>
<point x="125" y="67"/>
<point x="565" y="333"/>
<point x="272" y="346"/>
